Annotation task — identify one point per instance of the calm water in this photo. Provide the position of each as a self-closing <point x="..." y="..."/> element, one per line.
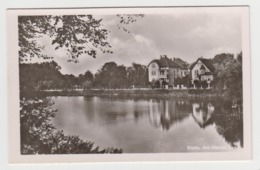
<point x="151" y="125"/>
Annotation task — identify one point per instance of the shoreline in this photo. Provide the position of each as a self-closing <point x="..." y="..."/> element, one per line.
<point x="134" y="93"/>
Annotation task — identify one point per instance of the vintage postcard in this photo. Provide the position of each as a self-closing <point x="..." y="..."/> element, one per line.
<point x="129" y="84"/>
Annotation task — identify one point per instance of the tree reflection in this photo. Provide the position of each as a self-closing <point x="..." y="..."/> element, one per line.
<point x="230" y="126"/>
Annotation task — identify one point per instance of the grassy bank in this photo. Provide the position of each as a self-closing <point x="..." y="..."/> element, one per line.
<point x="138" y="93"/>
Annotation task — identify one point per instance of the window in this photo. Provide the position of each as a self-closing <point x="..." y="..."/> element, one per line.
<point x="153" y="73"/>
<point x="196" y="72"/>
<point x="161" y="72"/>
<point x="153" y="65"/>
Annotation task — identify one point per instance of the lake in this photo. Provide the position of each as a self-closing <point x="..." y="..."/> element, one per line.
<point x="152" y="125"/>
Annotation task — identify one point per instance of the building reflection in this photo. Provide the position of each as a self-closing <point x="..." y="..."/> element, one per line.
<point x="202" y="113"/>
<point x="165" y="113"/>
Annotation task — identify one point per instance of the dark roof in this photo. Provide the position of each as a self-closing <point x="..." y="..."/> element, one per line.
<point x="191" y="65"/>
<point x="206" y="62"/>
<point x="180" y="62"/>
<point x="164" y="61"/>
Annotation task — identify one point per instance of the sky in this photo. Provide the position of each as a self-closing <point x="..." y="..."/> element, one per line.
<point x="187" y="36"/>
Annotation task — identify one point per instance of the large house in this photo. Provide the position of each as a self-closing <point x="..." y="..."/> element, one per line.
<point x="166" y="70"/>
<point x="202" y="70"/>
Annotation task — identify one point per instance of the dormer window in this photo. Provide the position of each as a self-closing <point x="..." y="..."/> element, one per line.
<point x="153" y="65"/>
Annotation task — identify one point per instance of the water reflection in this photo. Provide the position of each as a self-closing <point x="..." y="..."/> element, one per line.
<point x="230" y="126"/>
<point x="141" y="125"/>
<point x="202" y="113"/>
<point x="228" y="121"/>
<point x="165" y="113"/>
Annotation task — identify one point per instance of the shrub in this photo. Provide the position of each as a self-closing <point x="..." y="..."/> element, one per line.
<point x="204" y="84"/>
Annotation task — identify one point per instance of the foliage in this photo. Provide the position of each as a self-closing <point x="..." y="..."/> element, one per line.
<point x="204" y="84"/>
<point x="126" y="19"/>
<point x="36" y="77"/>
<point x="43" y="76"/>
<point x="185" y="80"/>
<point x="229" y="78"/>
<point x="137" y="75"/>
<point x="197" y="83"/>
<point x="39" y="136"/>
<point x="77" y="34"/>
<point x="111" y="76"/>
<point x="177" y="81"/>
<point x="222" y="58"/>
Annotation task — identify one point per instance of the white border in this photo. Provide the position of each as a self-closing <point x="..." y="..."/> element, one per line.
<point x="13" y="90"/>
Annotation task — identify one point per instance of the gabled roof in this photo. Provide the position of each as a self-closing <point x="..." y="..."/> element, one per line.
<point x="164" y="61"/>
<point x="180" y="62"/>
<point x="206" y="62"/>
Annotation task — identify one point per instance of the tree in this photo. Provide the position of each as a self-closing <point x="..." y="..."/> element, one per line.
<point x="229" y="75"/>
<point x="88" y="76"/>
<point x="37" y="77"/>
<point x="137" y="75"/>
<point x="186" y="81"/>
<point x="111" y="76"/>
<point x="77" y="34"/>
<point x="222" y="58"/>
<point x="85" y="80"/>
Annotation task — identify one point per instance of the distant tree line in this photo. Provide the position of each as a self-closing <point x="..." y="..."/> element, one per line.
<point x="47" y="75"/>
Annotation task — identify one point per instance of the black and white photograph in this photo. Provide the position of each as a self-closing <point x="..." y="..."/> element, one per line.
<point x="134" y="82"/>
